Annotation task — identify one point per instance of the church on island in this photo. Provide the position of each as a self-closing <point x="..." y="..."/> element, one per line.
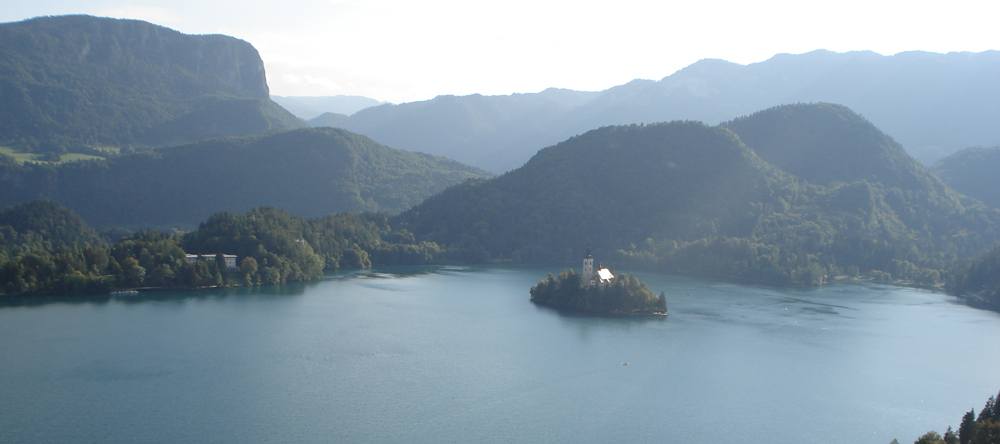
<point x="590" y="278"/>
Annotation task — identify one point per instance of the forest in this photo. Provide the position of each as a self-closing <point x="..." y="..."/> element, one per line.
<point x="47" y="249"/>
<point x="977" y="281"/>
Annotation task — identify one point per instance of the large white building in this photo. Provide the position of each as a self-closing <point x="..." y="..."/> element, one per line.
<point x="589" y="277"/>
<point x="229" y="258"/>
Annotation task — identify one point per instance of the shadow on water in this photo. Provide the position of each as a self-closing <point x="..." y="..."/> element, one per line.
<point x="584" y="318"/>
<point x="279" y="291"/>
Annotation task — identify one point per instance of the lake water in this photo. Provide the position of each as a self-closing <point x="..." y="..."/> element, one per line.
<point x="459" y="355"/>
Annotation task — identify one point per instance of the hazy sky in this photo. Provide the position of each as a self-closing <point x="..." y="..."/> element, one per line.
<point x="405" y="50"/>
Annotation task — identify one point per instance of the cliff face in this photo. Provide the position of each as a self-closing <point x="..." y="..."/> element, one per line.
<point x="89" y="80"/>
<point x="229" y="64"/>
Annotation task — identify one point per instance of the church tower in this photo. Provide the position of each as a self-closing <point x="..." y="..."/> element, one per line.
<point x="588" y="268"/>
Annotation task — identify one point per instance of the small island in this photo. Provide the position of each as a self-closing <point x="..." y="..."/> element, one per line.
<point x="599" y="292"/>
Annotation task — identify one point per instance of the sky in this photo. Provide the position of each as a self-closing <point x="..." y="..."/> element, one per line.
<point x="408" y="50"/>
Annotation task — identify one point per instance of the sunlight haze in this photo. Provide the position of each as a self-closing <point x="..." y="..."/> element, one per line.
<point x="403" y="51"/>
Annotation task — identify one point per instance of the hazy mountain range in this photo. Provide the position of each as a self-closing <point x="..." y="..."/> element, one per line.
<point x="307" y="107"/>
<point x="932" y="104"/>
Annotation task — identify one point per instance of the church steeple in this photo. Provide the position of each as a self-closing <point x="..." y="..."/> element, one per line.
<point x="588" y="267"/>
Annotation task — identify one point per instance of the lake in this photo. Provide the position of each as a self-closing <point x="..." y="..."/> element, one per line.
<point x="459" y="355"/>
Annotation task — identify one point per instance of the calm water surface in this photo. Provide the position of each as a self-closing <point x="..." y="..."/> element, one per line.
<point x="430" y="355"/>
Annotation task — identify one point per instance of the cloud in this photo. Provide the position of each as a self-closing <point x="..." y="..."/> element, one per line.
<point x="150" y="14"/>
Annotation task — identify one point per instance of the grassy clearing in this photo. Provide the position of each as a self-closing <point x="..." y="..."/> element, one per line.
<point x="74" y="157"/>
<point x="29" y="157"/>
<point x="17" y="155"/>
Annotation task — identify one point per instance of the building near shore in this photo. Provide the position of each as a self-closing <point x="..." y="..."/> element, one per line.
<point x="230" y="260"/>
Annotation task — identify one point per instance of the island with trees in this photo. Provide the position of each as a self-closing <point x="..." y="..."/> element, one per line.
<point x="600" y="292"/>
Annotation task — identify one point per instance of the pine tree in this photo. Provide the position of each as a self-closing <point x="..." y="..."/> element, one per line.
<point x="967" y="430"/>
<point x="989" y="410"/>
<point x="950" y="437"/>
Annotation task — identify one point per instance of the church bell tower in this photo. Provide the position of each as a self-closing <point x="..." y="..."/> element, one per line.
<point x="588" y="268"/>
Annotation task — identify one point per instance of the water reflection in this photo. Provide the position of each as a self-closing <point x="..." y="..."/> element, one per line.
<point x="585" y="323"/>
<point x="279" y="291"/>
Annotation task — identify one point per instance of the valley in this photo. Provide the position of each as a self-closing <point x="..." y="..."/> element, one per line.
<point x="824" y="226"/>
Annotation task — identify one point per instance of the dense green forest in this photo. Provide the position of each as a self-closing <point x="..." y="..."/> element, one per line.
<point x="689" y="198"/>
<point x="310" y="172"/>
<point x="973" y="172"/>
<point x="625" y="294"/>
<point x="73" y="83"/>
<point x="822" y="143"/>
<point x="978" y="281"/>
<point x="47" y="249"/>
<point x="984" y="429"/>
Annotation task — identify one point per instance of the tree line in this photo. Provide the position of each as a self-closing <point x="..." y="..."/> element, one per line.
<point x="978" y="281"/>
<point x="47" y="249"/>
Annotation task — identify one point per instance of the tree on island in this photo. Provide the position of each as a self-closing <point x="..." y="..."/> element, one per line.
<point x="622" y="295"/>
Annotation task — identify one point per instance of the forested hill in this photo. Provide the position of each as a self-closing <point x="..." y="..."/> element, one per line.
<point x="74" y="81"/>
<point x="829" y="144"/>
<point x="686" y="197"/>
<point x="44" y="222"/>
<point x="823" y="143"/>
<point x="974" y="172"/>
<point x="614" y="185"/>
<point x="310" y="172"/>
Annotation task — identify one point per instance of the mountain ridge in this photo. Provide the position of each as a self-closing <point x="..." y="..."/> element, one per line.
<point x="311" y="172"/>
<point x="310" y="107"/>
<point x="933" y="104"/>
